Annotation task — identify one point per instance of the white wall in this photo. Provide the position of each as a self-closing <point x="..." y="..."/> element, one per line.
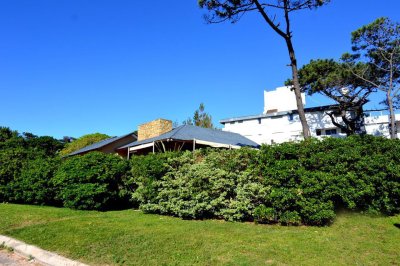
<point x="278" y="129"/>
<point x="377" y="124"/>
<point x="281" y="99"/>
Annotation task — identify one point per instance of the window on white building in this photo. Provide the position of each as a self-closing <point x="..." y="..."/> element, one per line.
<point x="318" y="132"/>
<point x="329" y="132"/>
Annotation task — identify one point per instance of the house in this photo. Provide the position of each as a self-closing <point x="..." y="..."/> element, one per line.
<point x="109" y="145"/>
<point x="280" y="121"/>
<point x="159" y="136"/>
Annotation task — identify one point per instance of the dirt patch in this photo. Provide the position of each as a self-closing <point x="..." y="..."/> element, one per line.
<point x="8" y="258"/>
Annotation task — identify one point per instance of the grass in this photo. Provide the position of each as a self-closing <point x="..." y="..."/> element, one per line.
<point x="133" y="238"/>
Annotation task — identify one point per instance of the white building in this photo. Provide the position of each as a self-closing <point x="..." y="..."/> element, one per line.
<point x="377" y="123"/>
<point x="280" y="121"/>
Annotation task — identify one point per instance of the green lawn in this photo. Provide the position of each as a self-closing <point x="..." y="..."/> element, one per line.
<point x="133" y="238"/>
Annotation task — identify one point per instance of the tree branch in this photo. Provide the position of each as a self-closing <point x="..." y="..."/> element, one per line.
<point x="269" y="21"/>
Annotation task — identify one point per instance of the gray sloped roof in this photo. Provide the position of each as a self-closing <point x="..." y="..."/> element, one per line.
<point x="282" y="113"/>
<point x="188" y="132"/>
<point x="98" y="145"/>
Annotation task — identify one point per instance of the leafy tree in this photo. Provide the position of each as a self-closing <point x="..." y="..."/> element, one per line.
<point x="200" y="118"/>
<point x="336" y="81"/>
<point x="49" y="145"/>
<point x="6" y="133"/>
<point x="82" y="142"/>
<point x="11" y="138"/>
<point x="29" y="136"/>
<point x="378" y="46"/>
<point x="233" y="10"/>
<point x="67" y="139"/>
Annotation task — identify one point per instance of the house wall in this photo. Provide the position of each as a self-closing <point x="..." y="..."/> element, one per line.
<point x="112" y="147"/>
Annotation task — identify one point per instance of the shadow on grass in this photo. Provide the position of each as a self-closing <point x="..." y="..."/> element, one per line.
<point x="397" y="225"/>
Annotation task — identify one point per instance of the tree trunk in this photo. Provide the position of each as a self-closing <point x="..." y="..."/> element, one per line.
<point x="392" y="118"/>
<point x="297" y="89"/>
<point x="288" y="38"/>
<point x="344" y="129"/>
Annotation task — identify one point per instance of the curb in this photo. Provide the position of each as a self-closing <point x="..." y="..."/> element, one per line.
<point x="40" y="255"/>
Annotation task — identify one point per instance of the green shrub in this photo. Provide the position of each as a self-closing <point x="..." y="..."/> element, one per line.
<point x="144" y="174"/>
<point x="14" y="154"/>
<point x="248" y="193"/>
<point x="195" y="190"/>
<point x="354" y="172"/>
<point x="20" y="157"/>
<point x="206" y="183"/>
<point x="290" y="218"/>
<point x="290" y="183"/>
<point x="11" y="162"/>
<point x="33" y="185"/>
<point x="264" y="214"/>
<point x="317" y="212"/>
<point x="91" y="182"/>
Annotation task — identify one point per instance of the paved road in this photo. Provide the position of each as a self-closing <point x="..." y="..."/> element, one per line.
<point x="10" y="259"/>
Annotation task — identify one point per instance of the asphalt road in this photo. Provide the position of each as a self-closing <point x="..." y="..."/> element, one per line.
<point x="11" y="259"/>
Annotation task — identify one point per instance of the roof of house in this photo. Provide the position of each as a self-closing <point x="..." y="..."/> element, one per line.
<point x="251" y="117"/>
<point x="99" y="144"/>
<point x="189" y="133"/>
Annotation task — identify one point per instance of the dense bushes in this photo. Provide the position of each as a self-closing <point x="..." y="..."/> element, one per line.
<point x="231" y="185"/>
<point x="291" y="183"/>
<point x="91" y="182"/>
<point x="32" y="172"/>
<point x="33" y="185"/>
<point x="356" y="172"/>
<point x="146" y="172"/>
<point x="18" y="155"/>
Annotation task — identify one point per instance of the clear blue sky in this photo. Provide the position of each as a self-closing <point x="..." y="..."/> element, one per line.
<point x="73" y="67"/>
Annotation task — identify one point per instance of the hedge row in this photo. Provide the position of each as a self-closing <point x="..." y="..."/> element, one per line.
<point x="89" y="182"/>
<point x="291" y="183"/>
<point x="32" y="172"/>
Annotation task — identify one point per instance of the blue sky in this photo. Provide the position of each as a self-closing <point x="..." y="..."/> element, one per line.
<point x="73" y="67"/>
